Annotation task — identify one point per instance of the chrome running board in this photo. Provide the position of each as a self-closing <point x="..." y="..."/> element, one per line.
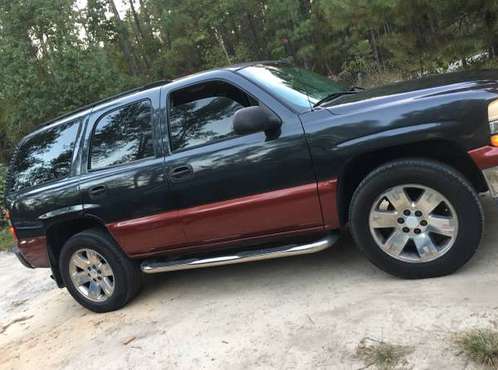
<point x="155" y="266"/>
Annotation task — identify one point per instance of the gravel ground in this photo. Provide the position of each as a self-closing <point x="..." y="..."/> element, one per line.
<point x="302" y="312"/>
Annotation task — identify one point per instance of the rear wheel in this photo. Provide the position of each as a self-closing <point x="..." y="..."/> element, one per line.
<point x="416" y="218"/>
<point x="97" y="273"/>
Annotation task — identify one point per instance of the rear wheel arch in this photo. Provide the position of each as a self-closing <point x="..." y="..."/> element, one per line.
<point x="97" y="273"/>
<point x="59" y="233"/>
<point x="447" y="152"/>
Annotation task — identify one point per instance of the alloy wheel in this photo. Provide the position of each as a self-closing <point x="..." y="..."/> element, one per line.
<point x="91" y="275"/>
<point x="413" y="223"/>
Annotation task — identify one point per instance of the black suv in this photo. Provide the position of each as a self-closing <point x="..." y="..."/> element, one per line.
<point x="252" y="162"/>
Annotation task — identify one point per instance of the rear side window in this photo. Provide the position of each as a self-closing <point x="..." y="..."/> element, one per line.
<point x="121" y="136"/>
<point x="44" y="157"/>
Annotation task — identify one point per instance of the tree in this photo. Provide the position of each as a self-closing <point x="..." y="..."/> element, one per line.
<point x="55" y="57"/>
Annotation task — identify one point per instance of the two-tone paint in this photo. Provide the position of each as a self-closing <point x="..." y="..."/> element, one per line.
<point x="247" y="190"/>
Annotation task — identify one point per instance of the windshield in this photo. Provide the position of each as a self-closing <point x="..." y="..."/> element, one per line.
<point x="297" y="87"/>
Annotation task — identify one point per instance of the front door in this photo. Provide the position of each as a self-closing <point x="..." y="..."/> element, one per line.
<point x="228" y="187"/>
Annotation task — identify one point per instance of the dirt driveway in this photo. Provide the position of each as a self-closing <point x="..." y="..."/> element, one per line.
<point x="302" y="312"/>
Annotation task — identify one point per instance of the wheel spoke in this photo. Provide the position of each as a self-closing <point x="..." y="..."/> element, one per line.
<point x="79" y="261"/>
<point x="92" y="257"/>
<point x="80" y="278"/>
<point x="94" y="290"/>
<point x="428" y="201"/>
<point x="425" y="247"/>
<point x="442" y="225"/>
<point x="398" y="198"/>
<point x="383" y="219"/>
<point x="106" y="286"/>
<point x="105" y="269"/>
<point x="396" y="242"/>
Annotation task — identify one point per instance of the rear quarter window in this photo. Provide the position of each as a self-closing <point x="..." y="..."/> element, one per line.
<point x="44" y="157"/>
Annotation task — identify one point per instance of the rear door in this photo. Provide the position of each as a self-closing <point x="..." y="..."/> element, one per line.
<point x="230" y="187"/>
<point x="122" y="181"/>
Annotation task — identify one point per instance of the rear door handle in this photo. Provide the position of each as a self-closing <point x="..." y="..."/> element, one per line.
<point x="97" y="191"/>
<point x="180" y="173"/>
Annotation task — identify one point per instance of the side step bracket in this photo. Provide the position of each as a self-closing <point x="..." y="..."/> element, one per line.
<point x="155" y="266"/>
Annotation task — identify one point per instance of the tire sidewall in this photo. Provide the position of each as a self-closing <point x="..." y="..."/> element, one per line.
<point x="433" y="175"/>
<point x="105" y="248"/>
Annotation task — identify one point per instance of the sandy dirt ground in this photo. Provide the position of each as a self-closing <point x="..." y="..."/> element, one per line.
<point x="303" y="312"/>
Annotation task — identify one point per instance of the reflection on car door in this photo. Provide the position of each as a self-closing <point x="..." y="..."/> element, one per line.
<point x="231" y="187"/>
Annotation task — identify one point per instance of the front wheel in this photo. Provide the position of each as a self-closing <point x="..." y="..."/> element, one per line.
<point x="416" y="218"/>
<point x="97" y="273"/>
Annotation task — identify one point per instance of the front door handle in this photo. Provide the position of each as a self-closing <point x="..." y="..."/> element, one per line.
<point x="180" y="173"/>
<point x="97" y="191"/>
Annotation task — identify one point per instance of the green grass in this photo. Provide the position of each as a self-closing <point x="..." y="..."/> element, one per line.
<point x="382" y="355"/>
<point x="6" y="240"/>
<point x="481" y="346"/>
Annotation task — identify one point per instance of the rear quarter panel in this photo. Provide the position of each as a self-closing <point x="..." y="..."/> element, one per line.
<point x="34" y="210"/>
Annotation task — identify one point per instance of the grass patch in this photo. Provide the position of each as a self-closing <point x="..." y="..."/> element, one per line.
<point x="382" y="355"/>
<point x="6" y="240"/>
<point x="481" y="346"/>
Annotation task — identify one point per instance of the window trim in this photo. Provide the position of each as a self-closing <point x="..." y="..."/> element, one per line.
<point x="97" y="121"/>
<point x="194" y="83"/>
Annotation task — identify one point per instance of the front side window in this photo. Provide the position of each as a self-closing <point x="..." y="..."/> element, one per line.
<point x="121" y="136"/>
<point x="203" y="113"/>
<point x="44" y="157"/>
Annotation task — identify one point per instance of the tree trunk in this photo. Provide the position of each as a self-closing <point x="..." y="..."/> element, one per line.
<point x="136" y="20"/>
<point x="254" y="35"/>
<point x="143" y="39"/>
<point x="219" y="37"/>
<point x="373" y="45"/>
<point x="146" y="14"/>
<point x="124" y="41"/>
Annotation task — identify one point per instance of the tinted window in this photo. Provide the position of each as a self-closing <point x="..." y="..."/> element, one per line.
<point x="123" y="135"/>
<point x="45" y="156"/>
<point x="204" y="113"/>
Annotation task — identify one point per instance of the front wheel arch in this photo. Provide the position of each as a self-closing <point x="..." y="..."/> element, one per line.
<point x="440" y="177"/>
<point x="443" y="151"/>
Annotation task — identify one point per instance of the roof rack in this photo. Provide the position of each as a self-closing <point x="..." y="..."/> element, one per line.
<point x="239" y="66"/>
<point x="91" y="105"/>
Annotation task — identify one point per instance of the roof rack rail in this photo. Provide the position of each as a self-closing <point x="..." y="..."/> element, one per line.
<point x="116" y="96"/>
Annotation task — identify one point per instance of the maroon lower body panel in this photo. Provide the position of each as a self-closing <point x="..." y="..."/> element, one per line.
<point x="273" y="212"/>
<point x="147" y="234"/>
<point x="280" y="212"/>
<point x="327" y="191"/>
<point x="34" y="250"/>
<point x="485" y="157"/>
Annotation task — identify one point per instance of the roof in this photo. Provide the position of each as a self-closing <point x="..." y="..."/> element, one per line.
<point x="233" y="67"/>
<point x="91" y="105"/>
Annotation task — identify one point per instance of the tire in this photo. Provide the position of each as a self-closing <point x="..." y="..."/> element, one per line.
<point x="126" y="279"/>
<point x="416" y="175"/>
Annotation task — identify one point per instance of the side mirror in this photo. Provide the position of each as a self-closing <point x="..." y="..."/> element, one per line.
<point x="256" y="119"/>
<point x="61" y="169"/>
